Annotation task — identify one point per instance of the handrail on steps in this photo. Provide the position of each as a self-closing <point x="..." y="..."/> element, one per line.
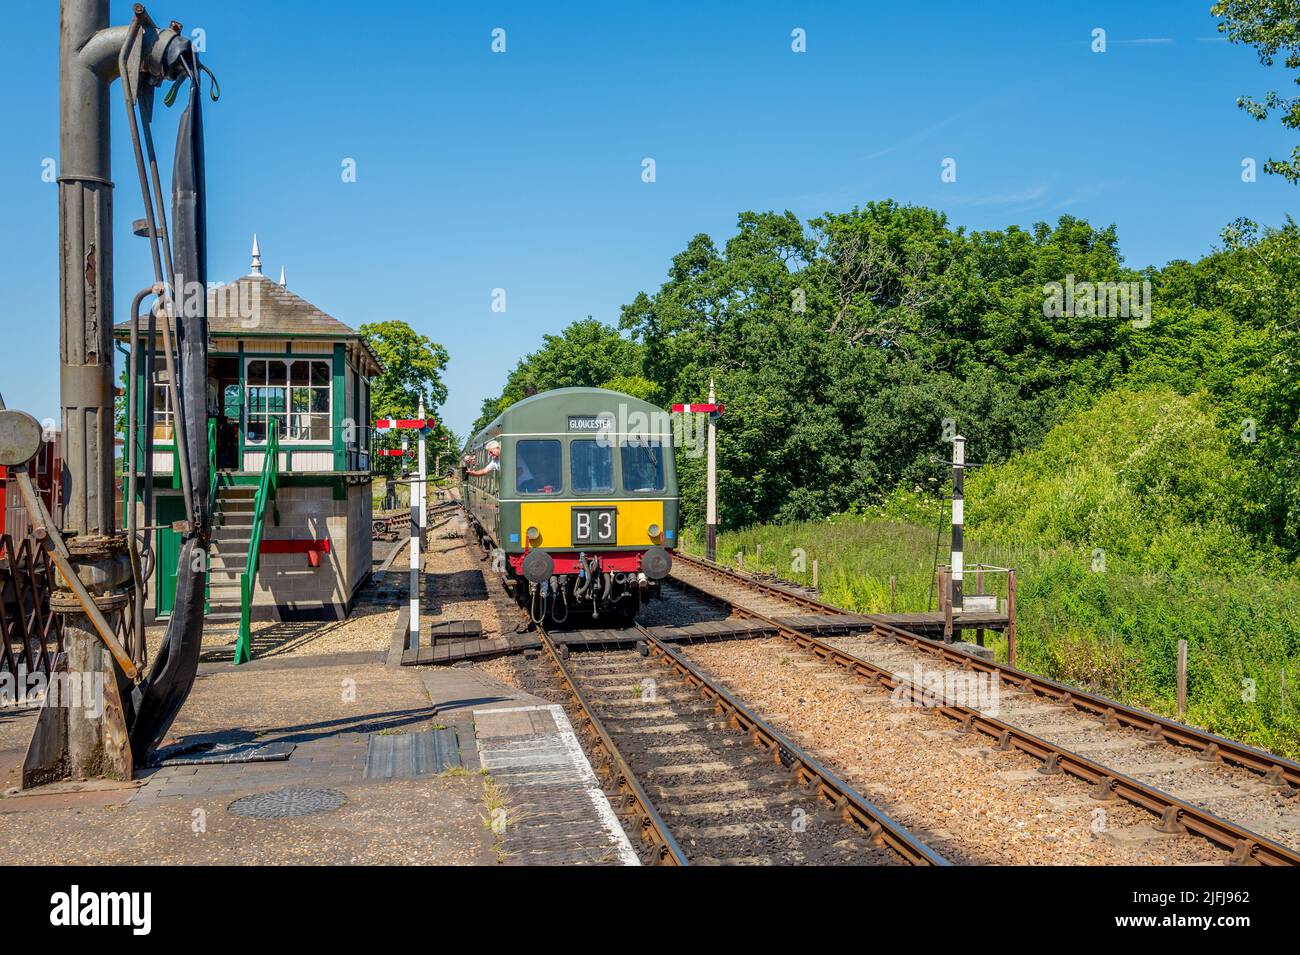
<point x="212" y="464"/>
<point x="266" y="489"/>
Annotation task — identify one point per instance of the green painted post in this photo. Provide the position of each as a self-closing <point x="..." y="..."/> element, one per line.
<point x="338" y="407"/>
<point x="243" y="649"/>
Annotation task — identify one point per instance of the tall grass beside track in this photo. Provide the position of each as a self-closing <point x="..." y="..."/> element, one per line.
<point x="1120" y="531"/>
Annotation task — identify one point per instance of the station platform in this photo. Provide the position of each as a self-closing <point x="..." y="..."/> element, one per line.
<point x="358" y="763"/>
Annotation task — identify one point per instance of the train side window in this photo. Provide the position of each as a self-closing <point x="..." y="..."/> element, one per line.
<point x="537" y="467"/>
<point x="643" y="465"/>
<point x="591" y="465"/>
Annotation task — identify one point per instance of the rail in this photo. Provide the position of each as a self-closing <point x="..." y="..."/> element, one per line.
<point x="852" y="806"/>
<point x="212" y="464"/>
<point x="1176" y="814"/>
<point x="1275" y="769"/>
<point x="266" y="492"/>
<point x="652" y="826"/>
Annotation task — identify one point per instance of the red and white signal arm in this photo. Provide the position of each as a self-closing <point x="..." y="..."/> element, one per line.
<point x="713" y="410"/>
<point x="404" y="424"/>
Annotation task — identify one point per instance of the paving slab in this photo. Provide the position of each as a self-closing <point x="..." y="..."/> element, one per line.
<point x="553" y="810"/>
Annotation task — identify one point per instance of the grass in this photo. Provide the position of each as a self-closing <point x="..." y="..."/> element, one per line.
<point x="497" y="818"/>
<point x="379" y="488"/>
<point x="1114" y="630"/>
<point x="1128" y="531"/>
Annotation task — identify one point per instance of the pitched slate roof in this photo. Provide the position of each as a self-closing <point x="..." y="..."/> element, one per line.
<point x="254" y="306"/>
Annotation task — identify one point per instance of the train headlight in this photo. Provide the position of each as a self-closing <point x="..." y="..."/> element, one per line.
<point x="533" y="533"/>
<point x="654" y="531"/>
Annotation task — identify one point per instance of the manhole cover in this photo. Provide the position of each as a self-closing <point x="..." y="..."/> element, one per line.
<point x="283" y="803"/>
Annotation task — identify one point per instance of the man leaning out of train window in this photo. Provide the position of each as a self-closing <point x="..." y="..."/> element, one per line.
<point x="493" y="463"/>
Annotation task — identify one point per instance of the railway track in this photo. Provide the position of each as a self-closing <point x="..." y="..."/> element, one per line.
<point x="884" y="659"/>
<point x="702" y="779"/>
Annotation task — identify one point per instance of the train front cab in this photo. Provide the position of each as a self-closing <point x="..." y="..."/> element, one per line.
<point x="588" y="521"/>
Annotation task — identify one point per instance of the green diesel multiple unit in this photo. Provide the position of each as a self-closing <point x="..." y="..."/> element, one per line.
<point x="580" y="501"/>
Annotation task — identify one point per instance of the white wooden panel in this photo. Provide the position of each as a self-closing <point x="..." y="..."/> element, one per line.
<point x="253" y="460"/>
<point x="264" y="345"/>
<point x="313" y="460"/>
<point x="313" y="348"/>
<point x="162" y="462"/>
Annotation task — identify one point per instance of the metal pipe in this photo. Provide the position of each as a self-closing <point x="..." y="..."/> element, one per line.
<point x="87" y="61"/>
<point x="133" y="36"/>
<point x="86" y="277"/>
<point x="134" y="549"/>
<point x="173" y="389"/>
<point x="150" y="362"/>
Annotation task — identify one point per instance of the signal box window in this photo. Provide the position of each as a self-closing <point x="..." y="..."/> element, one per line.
<point x="643" y="466"/>
<point x="592" y="465"/>
<point x="537" y="467"/>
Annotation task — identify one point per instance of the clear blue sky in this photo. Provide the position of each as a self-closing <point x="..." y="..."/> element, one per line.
<point x="522" y="170"/>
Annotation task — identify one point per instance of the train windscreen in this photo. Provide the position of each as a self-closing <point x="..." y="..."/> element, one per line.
<point x="591" y="464"/>
<point x="643" y="466"/>
<point x="537" y="467"/>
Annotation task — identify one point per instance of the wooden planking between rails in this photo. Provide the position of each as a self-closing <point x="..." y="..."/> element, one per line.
<point x="450" y="650"/>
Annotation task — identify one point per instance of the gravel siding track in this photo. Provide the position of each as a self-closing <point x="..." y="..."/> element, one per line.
<point x="1227" y="791"/>
<point x="972" y="803"/>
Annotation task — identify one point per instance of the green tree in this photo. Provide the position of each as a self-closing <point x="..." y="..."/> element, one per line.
<point x="413" y="369"/>
<point x="841" y="346"/>
<point x="1272" y="27"/>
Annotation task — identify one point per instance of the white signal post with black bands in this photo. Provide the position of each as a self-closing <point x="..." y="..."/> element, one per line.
<point x="958" y="522"/>
<point x="711" y="514"/>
